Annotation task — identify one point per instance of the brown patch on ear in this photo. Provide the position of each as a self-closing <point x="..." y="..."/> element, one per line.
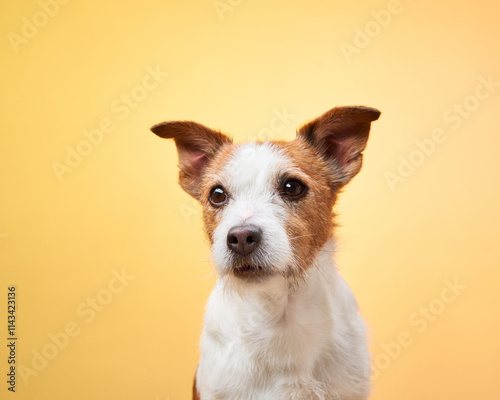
<point x="196" y="146"/>
<point x="340" y="136"/>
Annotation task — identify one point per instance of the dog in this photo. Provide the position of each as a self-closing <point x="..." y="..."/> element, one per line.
<point x="280" y="323"/>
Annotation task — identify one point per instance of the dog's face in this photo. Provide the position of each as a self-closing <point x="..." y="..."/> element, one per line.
<point x="261" y="206"/>
<point x="267" y="206"/>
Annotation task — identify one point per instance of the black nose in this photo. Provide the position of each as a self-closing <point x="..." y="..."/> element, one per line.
<point x="244" y="239"/>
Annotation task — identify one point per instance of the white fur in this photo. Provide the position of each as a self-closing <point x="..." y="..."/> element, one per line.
<point x="271" y="340"/>
<point x="254" y="201"/>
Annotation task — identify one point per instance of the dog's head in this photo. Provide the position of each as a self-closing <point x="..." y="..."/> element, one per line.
<point x="267" y="206"/>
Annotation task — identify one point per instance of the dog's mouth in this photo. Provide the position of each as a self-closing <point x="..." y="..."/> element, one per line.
<point x="249" y="271"/>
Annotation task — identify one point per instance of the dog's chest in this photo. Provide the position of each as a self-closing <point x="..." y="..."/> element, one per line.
<point x="283" y="332"/>
<point x="265" y="340"/>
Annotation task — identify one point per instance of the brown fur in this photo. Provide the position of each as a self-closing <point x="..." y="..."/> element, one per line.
<point x="196" y="394"/>
<point x="212" y="215"/>
<point x="340" y="135"/>
<point x="310" y="220"/>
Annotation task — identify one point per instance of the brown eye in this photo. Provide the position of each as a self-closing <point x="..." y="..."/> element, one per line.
<point x="218" y="196"/>
<point x="293" y="188"/>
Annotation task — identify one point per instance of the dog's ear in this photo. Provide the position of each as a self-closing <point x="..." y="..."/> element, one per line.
<point x="340" y="136"/>
<point x="196" y="146"/>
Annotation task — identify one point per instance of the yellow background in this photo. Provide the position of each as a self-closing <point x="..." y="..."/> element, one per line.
<point x="121" y="209"/>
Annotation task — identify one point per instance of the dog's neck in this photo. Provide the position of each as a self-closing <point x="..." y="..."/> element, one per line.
<point x="276" y="301"/>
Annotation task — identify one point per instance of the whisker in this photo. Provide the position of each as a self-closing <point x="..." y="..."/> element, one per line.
<point x="318" y="266"/>
<point x="297" y="237"/>
<point x="209" y="275"/>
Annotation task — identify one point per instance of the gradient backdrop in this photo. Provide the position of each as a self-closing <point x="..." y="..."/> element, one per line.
<point x="106" y="251"/>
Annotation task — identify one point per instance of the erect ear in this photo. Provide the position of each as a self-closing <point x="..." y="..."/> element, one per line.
<point x="196" y="146"/>
<point x="340" y="136"/>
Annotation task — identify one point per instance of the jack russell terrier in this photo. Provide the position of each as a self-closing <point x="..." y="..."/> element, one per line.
<point x="281" y="323"/>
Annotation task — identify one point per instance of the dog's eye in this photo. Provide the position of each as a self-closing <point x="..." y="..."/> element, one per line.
<point x="293" y="188"/>
<point x="218" y="196"/>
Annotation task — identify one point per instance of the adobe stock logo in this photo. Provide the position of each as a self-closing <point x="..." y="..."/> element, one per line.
<point x="363" y="36"/>
<point x="455" y="116"/>
<point x="31" y="26"/>
<point x="420" y="320"/>
<point x="87" y="311"/>
<point x="121" y="107"/>
<point x="224" y="6"/>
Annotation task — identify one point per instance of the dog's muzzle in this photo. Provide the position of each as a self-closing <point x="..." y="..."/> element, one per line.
<point x="242" y="241"/>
